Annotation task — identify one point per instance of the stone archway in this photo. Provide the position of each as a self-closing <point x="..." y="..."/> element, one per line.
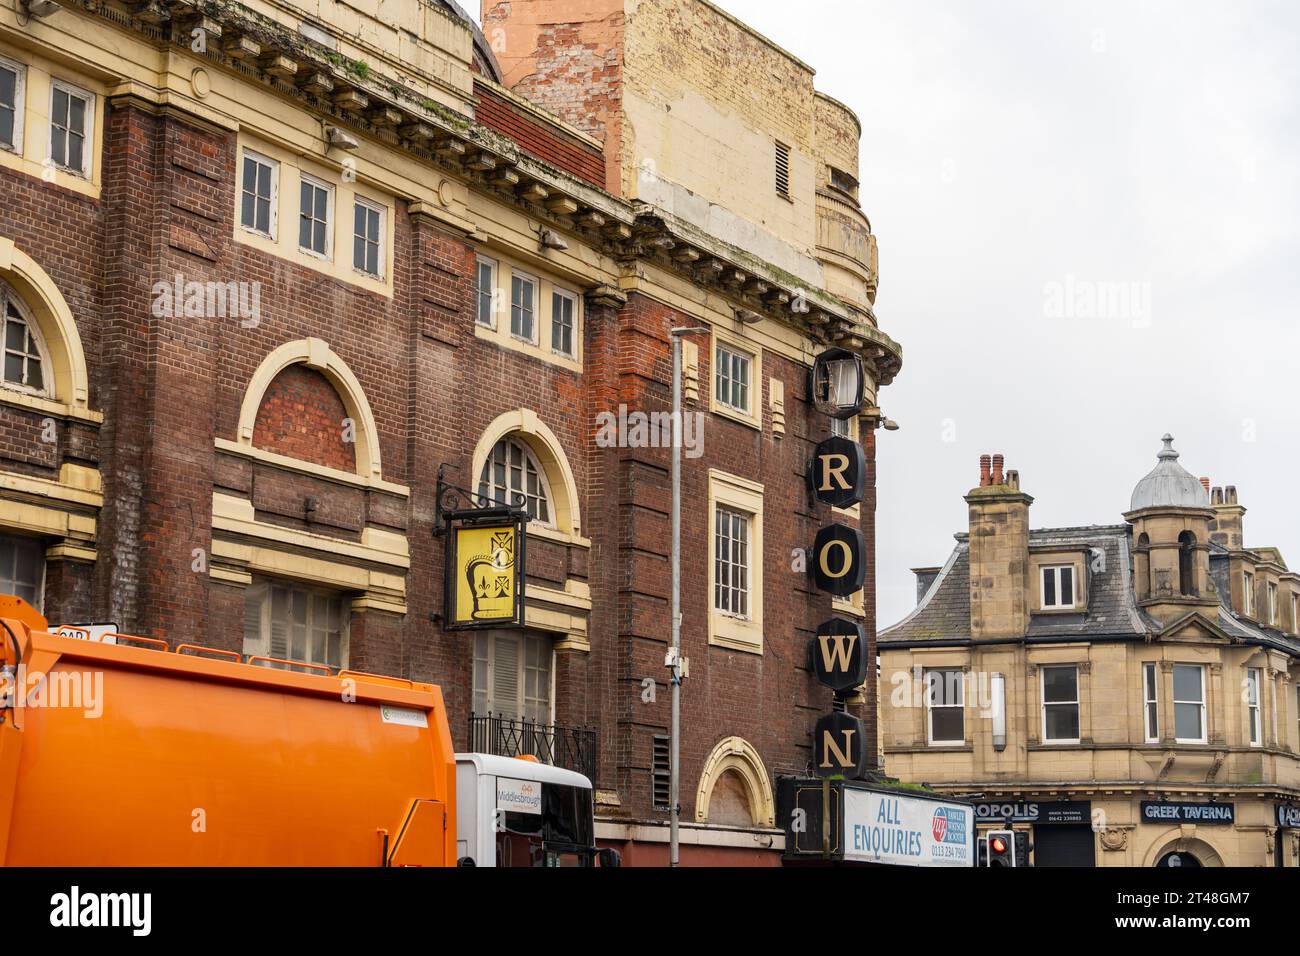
<point x="737" y="766"/>
<point x="1204" y="852"/>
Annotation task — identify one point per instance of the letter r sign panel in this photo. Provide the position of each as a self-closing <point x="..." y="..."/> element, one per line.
<point x="838" y="473"/>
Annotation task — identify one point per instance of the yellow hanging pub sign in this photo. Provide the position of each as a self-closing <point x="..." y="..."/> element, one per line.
<point x="484" y="559"/>
<point x="486" y="576"/>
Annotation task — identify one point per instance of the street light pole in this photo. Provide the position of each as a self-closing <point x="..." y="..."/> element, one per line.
<point x="674" y="660"/>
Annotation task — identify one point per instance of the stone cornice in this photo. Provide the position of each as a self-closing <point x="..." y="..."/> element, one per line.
<point x="375" y="105"/>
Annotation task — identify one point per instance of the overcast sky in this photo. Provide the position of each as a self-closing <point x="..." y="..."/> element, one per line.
<point x="1015" y="151"/>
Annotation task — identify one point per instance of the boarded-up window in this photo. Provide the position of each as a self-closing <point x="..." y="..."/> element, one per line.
<point x="729" y="802"/>
<point x="303" y="417"/>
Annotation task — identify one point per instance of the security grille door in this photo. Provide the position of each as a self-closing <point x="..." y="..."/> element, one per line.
<point x="1064" y="846"/>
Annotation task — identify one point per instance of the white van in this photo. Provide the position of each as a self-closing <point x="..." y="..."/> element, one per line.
<point x="515" y="811"/>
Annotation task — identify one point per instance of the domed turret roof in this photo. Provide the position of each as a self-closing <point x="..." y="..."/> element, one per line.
<point x="1169" y="485"/>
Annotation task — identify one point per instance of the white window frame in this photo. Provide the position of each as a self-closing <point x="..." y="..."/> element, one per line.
<point x="931" y="706"/>
<point x="719" y="347"/>
<point x="1200" y="703"/>
<point x="1151" y="701"/>
<point x="1055" y="570"/>
<point x="381" y="256"/>
<point x="1295" y="613"/>
<point x="328" y="254"/>
<point x="7" y="296"/>
<point x="536" y="298"/>
<point x="488" y="488"/>
<point x="1271" y="590"/>
<point x="266" y="648"/>
<point x="741" y="496"/>
<point x="1043" y="703"/>
<point x="19" y="541"/>
<point x="88" y="135"/>
<point x="1254" y="712"/>
<point x="493" y="296"/>
<point x="1248" y="593"/>
<point x="745" y="590"/>
<point x="523" y="639"/>
<point x="566" y="296"/>
<point x="273" y="220"/>
<point x="20" y="103"/>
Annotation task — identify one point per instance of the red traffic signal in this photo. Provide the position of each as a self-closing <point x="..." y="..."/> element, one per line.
<point x="999" y="848"/>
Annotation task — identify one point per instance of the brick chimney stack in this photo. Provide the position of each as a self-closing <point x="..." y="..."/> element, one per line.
<point x="999" y="553"/>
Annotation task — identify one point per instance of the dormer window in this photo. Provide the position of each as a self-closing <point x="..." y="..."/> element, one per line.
<point x="1058" y="587"/>
<point x="1272" y="604"/>
<point x="1248" y="593"/>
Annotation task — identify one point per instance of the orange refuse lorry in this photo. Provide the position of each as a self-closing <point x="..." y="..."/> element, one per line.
<point x="135" y="754"/>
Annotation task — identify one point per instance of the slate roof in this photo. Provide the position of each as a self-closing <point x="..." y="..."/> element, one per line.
<point x="943" y="614"/>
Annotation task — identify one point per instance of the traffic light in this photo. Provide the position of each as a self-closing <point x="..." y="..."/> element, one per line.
<point x="1023" y="846"/>
<point x="1000" y="848"/>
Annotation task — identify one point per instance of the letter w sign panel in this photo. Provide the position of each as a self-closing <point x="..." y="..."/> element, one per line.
<point x="840" y="655"/>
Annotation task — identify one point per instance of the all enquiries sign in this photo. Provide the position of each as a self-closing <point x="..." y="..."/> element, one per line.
<point x="882" y="827"/>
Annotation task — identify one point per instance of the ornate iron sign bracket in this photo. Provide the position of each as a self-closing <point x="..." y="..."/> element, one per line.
<point x="454" y="503"/>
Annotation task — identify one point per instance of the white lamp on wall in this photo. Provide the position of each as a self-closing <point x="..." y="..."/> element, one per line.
<point x="998" y="710"/>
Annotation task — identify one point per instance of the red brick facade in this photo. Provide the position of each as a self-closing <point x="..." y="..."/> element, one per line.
<point x="170" y="387"/>
<point x="565" y="152"/>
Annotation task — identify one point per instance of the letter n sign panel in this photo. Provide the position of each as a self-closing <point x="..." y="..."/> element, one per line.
<point x="840" y="655"/>
<point x="839" y="560"/>
<point x="838" y="473"/>
<point x="839" y="746"/>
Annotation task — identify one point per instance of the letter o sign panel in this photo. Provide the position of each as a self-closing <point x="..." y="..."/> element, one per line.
<point x="839" y="560"/>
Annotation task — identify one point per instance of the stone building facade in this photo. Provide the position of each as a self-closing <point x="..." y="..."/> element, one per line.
<point x="1125" y="693"/>
<point x="269" y="267"/>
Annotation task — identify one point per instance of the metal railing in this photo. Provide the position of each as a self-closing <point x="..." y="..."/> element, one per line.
<point x="573" y="748"/>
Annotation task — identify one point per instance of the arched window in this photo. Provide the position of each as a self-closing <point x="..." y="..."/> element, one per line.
<point x="26" y="362"/>
<point x="512" y="469"/>
<point x="1186" y="563"/>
